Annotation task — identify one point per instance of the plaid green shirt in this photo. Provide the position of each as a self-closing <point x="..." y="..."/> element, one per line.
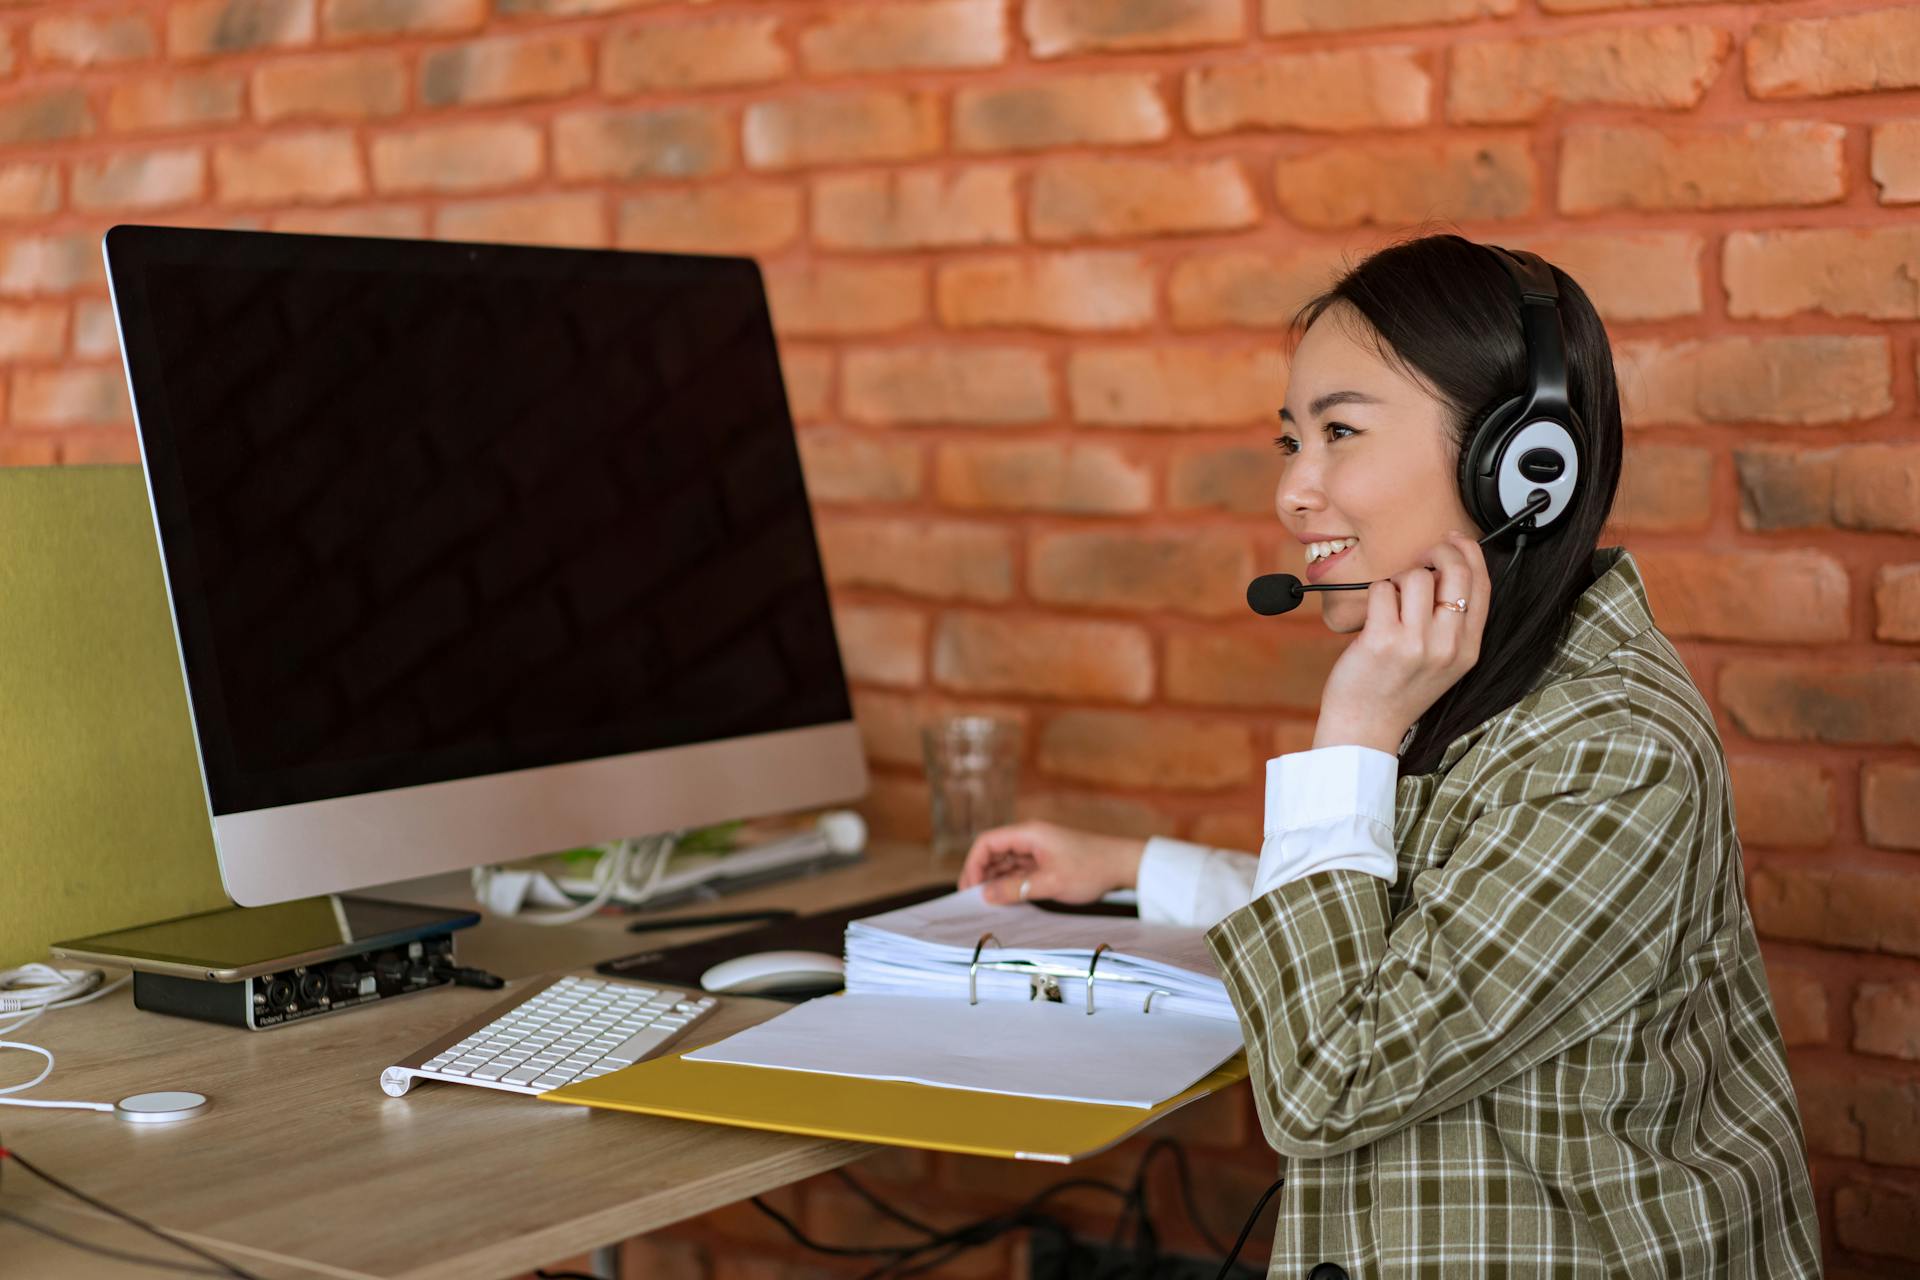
<point x="1547" y="1048"/>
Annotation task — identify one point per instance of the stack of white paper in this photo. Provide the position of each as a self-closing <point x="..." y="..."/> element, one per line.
<point x="928" y="948"/>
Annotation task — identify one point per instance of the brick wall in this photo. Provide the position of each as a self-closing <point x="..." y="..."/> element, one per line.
<point x="1030" y="260"/>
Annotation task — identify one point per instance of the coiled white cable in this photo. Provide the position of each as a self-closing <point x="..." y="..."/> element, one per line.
<point x="28" y="992"/>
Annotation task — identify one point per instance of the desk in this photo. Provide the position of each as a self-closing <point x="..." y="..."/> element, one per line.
<point x="303" y="1168"/>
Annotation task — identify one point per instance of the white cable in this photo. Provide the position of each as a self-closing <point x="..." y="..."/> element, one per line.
<point x="28" y="992"/>
<point x="646" y="857"/>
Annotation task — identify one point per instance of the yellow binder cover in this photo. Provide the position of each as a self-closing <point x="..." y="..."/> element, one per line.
<point x="887" y="1112"/>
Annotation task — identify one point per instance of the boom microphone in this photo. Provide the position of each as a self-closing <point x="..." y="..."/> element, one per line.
<point x="1277" y="593"/>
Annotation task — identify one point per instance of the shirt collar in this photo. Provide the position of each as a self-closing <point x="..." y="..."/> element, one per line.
<point x="1612" y="610"/>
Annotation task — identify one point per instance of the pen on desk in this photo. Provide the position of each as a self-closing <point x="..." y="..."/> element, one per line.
<point x="718" y="917"/>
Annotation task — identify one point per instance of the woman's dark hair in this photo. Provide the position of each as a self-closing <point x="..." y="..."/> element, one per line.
<point x="1445" y="310"/>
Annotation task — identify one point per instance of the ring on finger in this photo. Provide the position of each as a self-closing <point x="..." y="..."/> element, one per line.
<point x="1025" y="885"/>
<point x="1455" y="606"/>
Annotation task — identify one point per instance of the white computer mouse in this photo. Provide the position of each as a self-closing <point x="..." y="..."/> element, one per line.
<point x="765" y="972"/>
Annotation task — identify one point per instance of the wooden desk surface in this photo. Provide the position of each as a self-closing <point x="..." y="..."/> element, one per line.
<point x="302" y="1167"/>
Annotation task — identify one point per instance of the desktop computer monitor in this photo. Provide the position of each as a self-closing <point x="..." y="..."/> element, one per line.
<point x="475" y="552"/>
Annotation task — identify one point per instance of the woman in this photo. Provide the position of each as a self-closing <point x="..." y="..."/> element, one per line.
<point x="1503" y="1003"/>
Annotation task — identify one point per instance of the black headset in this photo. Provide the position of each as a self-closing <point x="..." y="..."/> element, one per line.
<point x="1534" y="443"/>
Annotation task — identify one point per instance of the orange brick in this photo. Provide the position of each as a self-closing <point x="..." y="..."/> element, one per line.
<point x="1896" y="161"/>
<point x="1823" y="702"/>
<point x="202" y="28"/>
<point x="1799" y="1003"/>
<point x="882" y="644"/>
<point x="505" y="69"/>
<point x="402" y="221"/>
<point x="1093" y="811"/>
<point x="1756" y="379"/>
<point x="81" y="40"/>
<point x="1251" y="668"/>
<point x="882" y="37"/>
<point x="1105" y="198"/>
<point x="1079" y="479"/>
<point x="1841" y="272"/>
<point x="1782" y="804"/>
<point x="288" y="166"/>
<point x="663" y="142"/>
<point x="1106" y="110"/>
<point x="1335" y="91"/>
<point x="1297" y="17"/>
<point x="1850" y="53"/>
<point x="50" y="263"/>
<point x="368" y="19"/>
<point x="184" y="101"/>
<point x="33" y="331"/>
<point x="1401" y="183"/>
<point x="1853" y="908"/>
<point x="99" y="446"/>
<point x="1762" y="163"/>
<point x="859" y="466"/>
<point x="141" y="180"/>
<point x="568" y="8"/>
<point x="1246" y="289"/>
<point x="457" y="157"/>
<point x="947" y="384"/>
<point x="742" y="220"/>
<point x="1234" y="478"/>
<point x="1636" y="275"/>
<point x="1043" y="657"/>
<point x="1664" y="488"/>
<point x="29" y="190"/>
<point x="809" y="377"/>
<point x="694" y="56"/>
<point x="573" y="218"/>
<point x="1509" y="81"/>
<point x="45" y="115"/>
<point x="1711" y="595"/>
<point x="942" y="560"/>
<point x="661" y="1259"/>
<point x="1056" y="28"/>
<point x="1200" y="572"/>
<point x="841" y="128"/>
<point x="67" y="396"/>
<point x="1886" y="1019"/>
<point x="895" y="809"/>
<point x="1875" y="1215"/>
<point x="1896" y="603"/>
<point x="916" y="210"/>
<point x="1890" y="804"/>
<point x="832" y="299"/>
<point x="352" y="86"/>
<point x="1225" y="830"/>
<point x="1164" y="386"/>
<point x="1869" y="486"/>
<point x="1084" y="291"/>
<point x="94" y="335"/>
<point x="1141" y="749"/>
<point x="28" y="451"/>
<point x="1856" y="1112"/>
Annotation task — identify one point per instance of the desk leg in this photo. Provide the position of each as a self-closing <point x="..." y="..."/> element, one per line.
<point x="605" y="1262"/>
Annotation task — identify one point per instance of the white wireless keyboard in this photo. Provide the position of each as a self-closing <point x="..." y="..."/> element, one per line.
<point x="564" y="1030"/>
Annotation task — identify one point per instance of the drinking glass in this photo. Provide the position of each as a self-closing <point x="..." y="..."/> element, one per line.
<point x="973" y="764"/>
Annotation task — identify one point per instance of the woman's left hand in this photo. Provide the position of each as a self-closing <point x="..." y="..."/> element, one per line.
<point x="1411" y="650"/>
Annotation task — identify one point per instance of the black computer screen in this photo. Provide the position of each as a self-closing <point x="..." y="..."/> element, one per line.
<point x="431" y="511"/>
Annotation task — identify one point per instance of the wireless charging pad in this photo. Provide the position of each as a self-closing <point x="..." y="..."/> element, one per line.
<point x="161" y="1107"/>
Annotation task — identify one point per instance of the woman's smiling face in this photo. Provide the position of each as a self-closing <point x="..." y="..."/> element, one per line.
<point x="1367" y="481"/>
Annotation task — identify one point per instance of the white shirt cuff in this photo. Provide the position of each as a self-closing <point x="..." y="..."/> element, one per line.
<point x="1330" y="809"/>
<point x="1192" y="885"/>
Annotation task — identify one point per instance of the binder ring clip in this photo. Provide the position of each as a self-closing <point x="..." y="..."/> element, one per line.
<point x="1157" y="991"/>
<point x="973" y="969"/>
<point x="1091" y="966"/>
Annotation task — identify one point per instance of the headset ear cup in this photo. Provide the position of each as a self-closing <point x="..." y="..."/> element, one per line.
<point x="1479" y="478"/>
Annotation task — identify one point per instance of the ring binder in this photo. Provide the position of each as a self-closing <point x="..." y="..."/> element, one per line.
<point x="1044" y="979"/>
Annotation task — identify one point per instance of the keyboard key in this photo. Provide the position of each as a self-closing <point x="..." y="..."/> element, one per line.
<point x="521" y="1075"/>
